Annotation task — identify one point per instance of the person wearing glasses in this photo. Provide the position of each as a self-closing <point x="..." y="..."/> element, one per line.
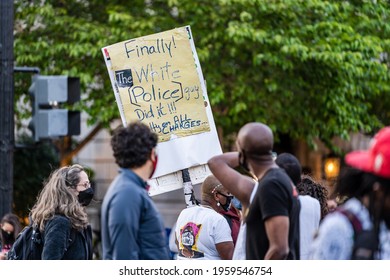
<point x="60" y="213"/>
<point x="201" y="232"/>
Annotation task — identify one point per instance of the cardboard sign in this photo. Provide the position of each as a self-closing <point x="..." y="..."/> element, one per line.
<point x="157" y="79"/>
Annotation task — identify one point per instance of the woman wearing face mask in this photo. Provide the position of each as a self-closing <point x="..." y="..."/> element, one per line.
<point x="10" y="228"/>
<point x="201" y="232"/>
<point x="61" y="215"/>
<point x="225" y="206"/>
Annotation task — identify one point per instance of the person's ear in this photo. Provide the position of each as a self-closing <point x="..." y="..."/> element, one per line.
<point x="215" y="194"/>
<point x="153" y="155"/>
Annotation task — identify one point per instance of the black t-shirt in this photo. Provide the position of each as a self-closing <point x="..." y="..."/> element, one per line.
<point x="275" y="196"/>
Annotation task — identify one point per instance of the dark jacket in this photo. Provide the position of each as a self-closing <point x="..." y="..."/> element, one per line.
<point x="132" y="228"/>
<point x="61" y="242"/>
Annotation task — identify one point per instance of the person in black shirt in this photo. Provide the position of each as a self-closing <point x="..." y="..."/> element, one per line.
<point x="273" y="216"/>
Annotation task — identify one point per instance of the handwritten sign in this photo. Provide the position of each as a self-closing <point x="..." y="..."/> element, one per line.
<point x="158" y="80"/>
<point x="158" y="83"/>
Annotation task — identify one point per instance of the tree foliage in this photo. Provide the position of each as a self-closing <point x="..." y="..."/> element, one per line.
<point x="29" y="177"/>
<point x="308" y="68"/>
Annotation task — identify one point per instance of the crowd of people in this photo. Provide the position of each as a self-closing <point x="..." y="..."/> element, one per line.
<point x="282" y="215"/>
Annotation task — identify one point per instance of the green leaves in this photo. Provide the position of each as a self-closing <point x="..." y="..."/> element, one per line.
<point x="308" y="68"/>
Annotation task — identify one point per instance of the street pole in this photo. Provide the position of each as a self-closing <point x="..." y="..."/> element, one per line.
<point x="7" y="138"/>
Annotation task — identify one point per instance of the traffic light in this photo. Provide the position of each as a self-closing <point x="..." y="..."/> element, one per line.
<point x="49" y="120"/>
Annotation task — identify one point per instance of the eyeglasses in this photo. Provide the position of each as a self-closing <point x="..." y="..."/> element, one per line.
<point x="86" y="185"/>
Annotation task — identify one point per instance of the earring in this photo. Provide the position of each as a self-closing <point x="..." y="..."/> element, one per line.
<point x="218" y="204"/>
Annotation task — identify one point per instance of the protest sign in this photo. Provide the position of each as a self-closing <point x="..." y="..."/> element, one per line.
<point x="157" y="79"/>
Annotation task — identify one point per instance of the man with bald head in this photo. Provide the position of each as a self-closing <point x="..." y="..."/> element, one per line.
<point x="272" y="215"/>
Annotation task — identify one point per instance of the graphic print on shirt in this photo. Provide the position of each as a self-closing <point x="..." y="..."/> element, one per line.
<point x="189" y="235"/>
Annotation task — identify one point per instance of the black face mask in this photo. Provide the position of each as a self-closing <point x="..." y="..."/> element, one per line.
<point x="242" y="161"/>
<point x="226" y="206"/>
<point x="86" y="196"/>
<point x="7" y="237"/>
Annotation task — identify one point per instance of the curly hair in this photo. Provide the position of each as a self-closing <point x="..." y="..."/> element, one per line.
<point x="58" y="198"/>
<point x="308" y="186"/>
<point x="132" y="145"/>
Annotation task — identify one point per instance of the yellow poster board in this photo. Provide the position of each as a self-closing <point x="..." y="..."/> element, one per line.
<point x="157" y="82"/>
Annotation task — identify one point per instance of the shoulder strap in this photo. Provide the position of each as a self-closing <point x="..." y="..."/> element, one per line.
<point x="365" y="241"/>
<point x="356" y="224"/>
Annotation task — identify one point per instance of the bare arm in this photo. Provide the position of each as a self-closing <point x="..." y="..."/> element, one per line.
<point x="277" y="232"/>
<point x="225" y="250"/>
<point x="241" y="186"/>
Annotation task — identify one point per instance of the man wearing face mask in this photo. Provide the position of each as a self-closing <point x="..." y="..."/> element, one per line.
<point x="360" y="227"/>
<point x="272" y="210"/>
<point x="132" y="228"/>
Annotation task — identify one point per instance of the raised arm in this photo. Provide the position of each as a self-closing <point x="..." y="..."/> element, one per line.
<point x="241" y="186"/>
